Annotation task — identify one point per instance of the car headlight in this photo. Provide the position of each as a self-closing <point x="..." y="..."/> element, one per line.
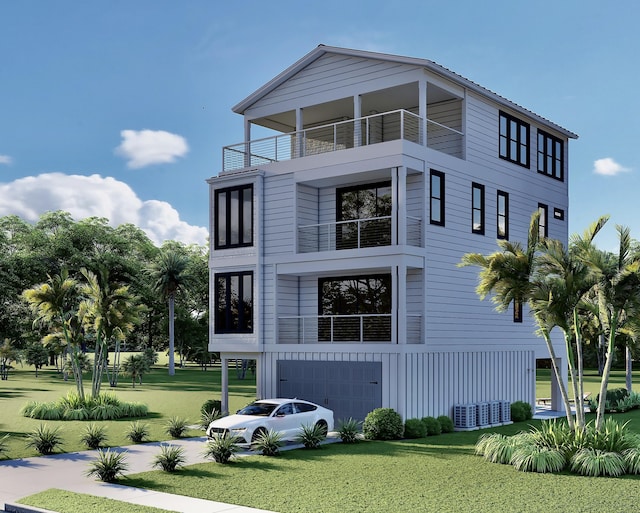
<point x="238" y="429"/>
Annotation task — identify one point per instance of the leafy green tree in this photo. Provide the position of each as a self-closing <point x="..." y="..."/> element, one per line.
<point x="37" y="355"/>
<point x="8" y="355"/>
<point x="170" y="276"/>
<point x="136" y="366"/>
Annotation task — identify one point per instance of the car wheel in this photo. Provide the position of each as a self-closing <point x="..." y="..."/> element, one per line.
<point x="257" y="434"/>
<point x="323" y="426"/>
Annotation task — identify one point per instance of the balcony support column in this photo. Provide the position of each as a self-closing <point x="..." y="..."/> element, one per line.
<point x="300" y="135"/>
<point x="224" y="385"/>
<point x="422" y="110"/>
<point x="357" y="114"/>
<point x="247" y="144"/>
<point x="399" y="206"/>
<point x="401" y="301"/>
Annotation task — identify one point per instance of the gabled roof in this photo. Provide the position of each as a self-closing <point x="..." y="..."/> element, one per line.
<point x="431" y="66"/>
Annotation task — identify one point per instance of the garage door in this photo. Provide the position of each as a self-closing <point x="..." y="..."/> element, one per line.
<point x="350" y="389"/>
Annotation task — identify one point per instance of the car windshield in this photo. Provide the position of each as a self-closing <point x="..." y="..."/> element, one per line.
<point x="258" y="409"/>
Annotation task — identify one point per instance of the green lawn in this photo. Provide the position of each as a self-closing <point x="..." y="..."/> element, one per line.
<point x="181" y="395"/>
<point x="63" y="501"/>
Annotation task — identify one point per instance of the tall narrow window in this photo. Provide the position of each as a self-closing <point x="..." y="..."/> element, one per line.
<point x="550" y="155"/>
<point x="234" y="217"/>
<point x="477" y="208"/>
<point x="502" y="215"/>
<point x="543" y="227"/>
<point x="436" y="204"/>
<point x="517" y="310"/>
<point x="234" y="302"/>
<point x="514" y="140"/>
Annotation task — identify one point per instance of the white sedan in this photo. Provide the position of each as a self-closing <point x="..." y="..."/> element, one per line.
<point x="285" y="416"/>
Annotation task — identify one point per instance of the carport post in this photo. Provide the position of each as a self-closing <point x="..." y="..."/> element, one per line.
<point x="224" y="399"/>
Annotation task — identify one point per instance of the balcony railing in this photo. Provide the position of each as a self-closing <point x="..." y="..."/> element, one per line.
<point x="354" y="234"/>
<point x="388" y="126"/>
<point x="335" y="329"/>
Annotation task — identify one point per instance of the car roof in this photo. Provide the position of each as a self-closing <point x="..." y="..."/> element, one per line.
<point x="282" y="400"/>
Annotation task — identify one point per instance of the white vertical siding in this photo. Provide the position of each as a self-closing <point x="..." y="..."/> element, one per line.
<point x="277" y="214"/>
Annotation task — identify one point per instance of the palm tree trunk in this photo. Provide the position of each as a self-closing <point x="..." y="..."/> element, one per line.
<point x="172" y="369"/>
<point x="629" y="369"/>
<point x="604" y="383"/>
<point x="561" y="386"/>
<point x="580" y="419"/>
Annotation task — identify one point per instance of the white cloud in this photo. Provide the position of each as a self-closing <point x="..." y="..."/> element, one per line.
<point x="5" y="159"/>
<point x="145" y="147"/>
<point x="608" y="167"/>
<point x="86" y="196"/>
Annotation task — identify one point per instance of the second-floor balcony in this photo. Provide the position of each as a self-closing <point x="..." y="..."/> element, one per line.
<point x="350" y="133"/>
<point x="355" y="234"/>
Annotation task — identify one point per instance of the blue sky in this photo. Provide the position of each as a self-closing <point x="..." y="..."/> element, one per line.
<point x="120" y="109"/>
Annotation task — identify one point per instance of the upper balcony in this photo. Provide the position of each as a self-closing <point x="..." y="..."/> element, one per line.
<point x="442" y="130"/>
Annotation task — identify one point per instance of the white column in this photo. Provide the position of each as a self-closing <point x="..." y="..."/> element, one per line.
<point x="224" y="394"/>
<point x="357" y="114"/>
<point x="247" y="142"/>
<point x="401" y="312"/>
<point x="422" y="108"/>
<point x="299" y="132"/>
<point x="401" y="208"/>
<point x="556" y="399"/>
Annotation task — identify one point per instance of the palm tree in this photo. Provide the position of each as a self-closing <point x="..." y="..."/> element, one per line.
<point x="110" y="312"/>
<point x="8" y="354"/>
<point x="618" y="286"/>
<point x="136" y="366"/>
<point x="54" y="304"/>
<point x="508" y="275"/>
<point x="170" y="275"/>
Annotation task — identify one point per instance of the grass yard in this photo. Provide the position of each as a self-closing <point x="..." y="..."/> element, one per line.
<point x="434" y="474"/>
<point x="181" y="395"/>
<point x="71" y="502"/>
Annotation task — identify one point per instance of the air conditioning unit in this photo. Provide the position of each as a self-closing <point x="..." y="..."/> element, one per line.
<point x="465" y="417"/>
<point x="494" y="413"/>
<point x="482" y="414"/>
<point x="505" y="412"/>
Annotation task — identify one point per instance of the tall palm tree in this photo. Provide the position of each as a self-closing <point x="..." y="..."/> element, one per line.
<point x="54" y="304"/>
<point x="508" y="275"/>
<point x="618" y="285"/>
<point x="110" y="312"/>
<point x="170" y="275"/>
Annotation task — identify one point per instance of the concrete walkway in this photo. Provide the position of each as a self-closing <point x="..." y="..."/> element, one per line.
<point x="23" y="477"/>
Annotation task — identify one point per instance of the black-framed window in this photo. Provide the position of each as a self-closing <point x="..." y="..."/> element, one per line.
<point x="369" y="207"/>
<point x="543" y="227"/>
<point x="233" y="208"/>
<point x="514" y="139"/>
<point x="436" y="197"/>
<point x="477" y="208"/>
<point x="550" y="155"/>
<point x="558" y="214"/>
<point x="234" y="302"/>
<point x="354" y="308"/>
<point x="517" y="310"/>
<point x="502" y="215"/>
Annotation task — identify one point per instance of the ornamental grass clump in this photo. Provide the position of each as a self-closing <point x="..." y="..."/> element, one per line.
<point x="4" y="446"/>
<point x="170" y="458"/>
<point x="349" y="430"/>
<point x="94" y="436"/>
<point x="268" y="443"/>
<point x="138" y="432"/>
<point x="108" y="466"/>
<point x="312" y="435"/>
<point x="176" y="427"/>
<point x="44" y="439"/>
<point x="221" y="448"/>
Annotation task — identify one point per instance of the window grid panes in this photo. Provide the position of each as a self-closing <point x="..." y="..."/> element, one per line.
<point x="514" y="140"/>
<point x="477" y="208"/>
<point x="234" y="217"/>
<point x="436" y="202"/>
<point x="543" y="227"/>
<point x="234" y="302"/>
<point x="550" y="156"/>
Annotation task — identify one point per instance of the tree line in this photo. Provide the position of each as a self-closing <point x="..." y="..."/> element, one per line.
<point x="70" y="287"/>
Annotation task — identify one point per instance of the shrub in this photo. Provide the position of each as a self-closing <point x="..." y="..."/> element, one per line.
<point x="521" y="411"/>
<point x="134" y="410"/>
<point x="432" y="426"/>
<point x="596" y="462"/>
<point x="383" y="424"/>
<point x="446" y="424"/>
<point x="94" y="436"/>
<point x="632" y="460"/>
<point x="138" y="432"/>
<point x="210" y="405"/>
<point x="170" y="458"/>
<point x="221" y="448"/>
<point x="176" y="427"/>
<point x="311" y="435"/>
<point x="268" y="443"/>
<point x="534" y="458"/>
<point x="498" y="448"/>
<point x="44" y="439"/>
<point x="348" y="430"/>
<point x="108" y="465"/>
<point x="415" y="428"/>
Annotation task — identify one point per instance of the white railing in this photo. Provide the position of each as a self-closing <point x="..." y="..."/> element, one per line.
<point x="388" y="126"/>
<point x="353" y="234"/>
<point x="367" y="328"/>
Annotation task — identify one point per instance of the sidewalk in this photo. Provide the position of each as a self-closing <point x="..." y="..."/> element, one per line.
<point x="23" y="477"/>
